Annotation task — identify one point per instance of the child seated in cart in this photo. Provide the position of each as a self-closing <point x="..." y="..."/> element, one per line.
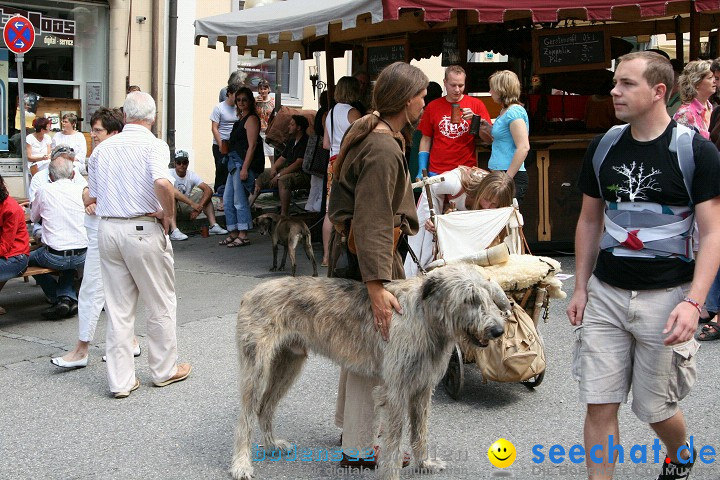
<point x="464" y="189"/>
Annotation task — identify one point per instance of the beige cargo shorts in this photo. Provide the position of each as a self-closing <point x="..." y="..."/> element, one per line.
<point x="619" y="347"/>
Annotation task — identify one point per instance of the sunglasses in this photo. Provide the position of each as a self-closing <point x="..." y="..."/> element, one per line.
<point x="242" y="99"/>
<point x="182" y="162"/>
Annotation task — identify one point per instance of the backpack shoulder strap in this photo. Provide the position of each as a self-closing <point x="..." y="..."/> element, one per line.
<point x="681" y="143"/>
<point x="606" y="143"/>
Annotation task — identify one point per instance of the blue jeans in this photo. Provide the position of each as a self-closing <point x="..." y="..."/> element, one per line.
<point x="63" y="286"/>
<point x="712" y="301"/>
<point x="235" y="198"/>
<point x="12" y="267"/>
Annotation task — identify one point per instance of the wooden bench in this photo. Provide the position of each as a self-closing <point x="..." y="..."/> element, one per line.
<point x="35" y="271"/>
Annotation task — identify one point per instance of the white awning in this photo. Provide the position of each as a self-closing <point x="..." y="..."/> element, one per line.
<point x="281" y="27"/>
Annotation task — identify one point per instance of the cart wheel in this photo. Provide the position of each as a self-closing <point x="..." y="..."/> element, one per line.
<point x="535" y="381"/>
<point x="455" y="375"/>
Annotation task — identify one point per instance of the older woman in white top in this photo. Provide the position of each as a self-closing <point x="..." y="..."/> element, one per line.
<point x="69" y="136"/>
<point x="337" y="122"/>
<point x="39" y="145"/>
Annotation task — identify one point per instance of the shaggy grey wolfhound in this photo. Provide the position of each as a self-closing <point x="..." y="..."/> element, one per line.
<point x="279" y="320"/>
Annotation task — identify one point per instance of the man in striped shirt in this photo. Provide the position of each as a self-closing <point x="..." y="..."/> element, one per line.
<point x="135" y="199"/>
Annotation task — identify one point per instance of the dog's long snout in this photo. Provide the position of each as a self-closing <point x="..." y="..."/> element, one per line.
<point x="496" y="331"/>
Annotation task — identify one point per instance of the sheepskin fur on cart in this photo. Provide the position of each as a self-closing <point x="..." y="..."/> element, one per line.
<point x="524" y="271"/>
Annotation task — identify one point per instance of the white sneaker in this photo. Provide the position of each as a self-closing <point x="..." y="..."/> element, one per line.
<point x="177" y="235"/>
<point x="217" y="230"/>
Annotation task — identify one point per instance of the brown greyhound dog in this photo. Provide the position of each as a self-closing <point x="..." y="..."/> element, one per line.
<point x="286" y="231"/>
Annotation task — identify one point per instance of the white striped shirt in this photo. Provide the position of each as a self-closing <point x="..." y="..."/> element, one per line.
<point x="122" y="171"/>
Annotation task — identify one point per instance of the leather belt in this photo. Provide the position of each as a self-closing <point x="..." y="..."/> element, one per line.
<point x="67" y="253"/>
<point x="141" y="218"/>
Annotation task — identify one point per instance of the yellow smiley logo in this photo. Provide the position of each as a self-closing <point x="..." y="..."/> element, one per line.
<point x="502" y="453"/>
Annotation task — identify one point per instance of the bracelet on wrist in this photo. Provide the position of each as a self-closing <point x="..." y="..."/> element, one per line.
<point x="693" y="303"/>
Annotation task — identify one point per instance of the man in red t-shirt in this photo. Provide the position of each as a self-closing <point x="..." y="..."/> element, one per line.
<point x="444" y="144"/>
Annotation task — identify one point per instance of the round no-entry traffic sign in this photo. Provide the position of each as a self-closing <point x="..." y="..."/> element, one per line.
<point x="19" y="34"/>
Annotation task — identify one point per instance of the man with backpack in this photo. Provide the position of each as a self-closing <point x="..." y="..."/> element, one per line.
<point x="644" y="187"/>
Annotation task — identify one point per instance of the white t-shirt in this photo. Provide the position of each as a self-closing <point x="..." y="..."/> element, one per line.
<point x="187" y="183"/>
<point x="39" y="147"/>
<point x="225" y="116"/>
<point x="76" y="140"/>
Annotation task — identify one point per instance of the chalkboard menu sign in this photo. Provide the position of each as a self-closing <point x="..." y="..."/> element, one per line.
<point x="570" y="49"/>
<point x="450" y="52"/>
<point x="380" y="56"/>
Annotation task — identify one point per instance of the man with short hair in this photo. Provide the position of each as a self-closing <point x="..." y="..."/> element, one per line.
<point x="60" y="207"/>
<point x="42" y="178"/>
<point x="444" y="145"/>
<point x="286" y="172"/>
<point x="635" y="316"/>
<point x="192" y="196"/>
<point x="135" y="199"/>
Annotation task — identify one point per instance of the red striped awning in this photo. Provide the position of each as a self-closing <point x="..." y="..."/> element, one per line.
<point x="494" y="11"/>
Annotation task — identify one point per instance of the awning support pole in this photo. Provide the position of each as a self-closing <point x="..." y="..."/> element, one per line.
<point x="329" y="71"/>
<point x="462" y="37"/>
<point x="694" y="34"/>
<point x="679" y="44"/>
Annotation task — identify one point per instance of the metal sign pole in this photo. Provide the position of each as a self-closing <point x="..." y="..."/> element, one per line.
<point x="19" y="58"/>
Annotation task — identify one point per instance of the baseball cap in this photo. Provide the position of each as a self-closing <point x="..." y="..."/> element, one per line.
<point x="181" y="154"/>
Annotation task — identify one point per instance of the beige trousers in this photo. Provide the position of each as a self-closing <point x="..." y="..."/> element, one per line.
<point x="136" y="259"/>
<point x="354" y="412"/>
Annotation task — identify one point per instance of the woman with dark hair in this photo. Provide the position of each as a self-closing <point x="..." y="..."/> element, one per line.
<point x="39" y="145"/>
<point x="371" y="201"/>
<point x="245" y="158"/>
<point x="14" y="238"/>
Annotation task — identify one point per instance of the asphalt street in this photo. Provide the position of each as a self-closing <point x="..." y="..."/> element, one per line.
<point x="57" y="424"/>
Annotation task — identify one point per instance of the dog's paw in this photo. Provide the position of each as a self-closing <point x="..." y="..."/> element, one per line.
<point x="273" y="269"/>
<point x="431" y="466"/>
<point x="281" y="268"/>
<point x="241" y="471"/>
<point x="315" y="274"/>
<point x="283" y="446"/>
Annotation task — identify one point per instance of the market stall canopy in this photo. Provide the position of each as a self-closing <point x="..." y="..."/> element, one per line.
<point x="497" y="11"/>
<point x="300" y="26"/>
<point x="283" y="26"/>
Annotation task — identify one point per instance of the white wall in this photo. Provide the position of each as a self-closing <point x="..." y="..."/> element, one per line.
<point x="184" y="81"/>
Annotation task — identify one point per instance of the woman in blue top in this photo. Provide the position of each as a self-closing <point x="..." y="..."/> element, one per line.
<point x="511" y="142"/>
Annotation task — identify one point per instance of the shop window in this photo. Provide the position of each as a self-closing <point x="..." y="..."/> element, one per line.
<point x="255" y="69"/>
<point x="69" y="54"/>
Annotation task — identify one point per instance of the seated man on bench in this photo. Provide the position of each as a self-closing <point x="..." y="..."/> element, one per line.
<point x="286" y="173"/>
<point x="61" y="208"/>
<point x="189" y="200"/>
